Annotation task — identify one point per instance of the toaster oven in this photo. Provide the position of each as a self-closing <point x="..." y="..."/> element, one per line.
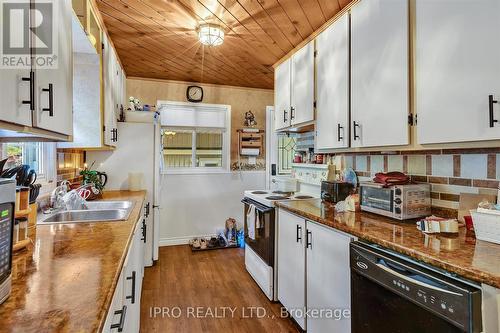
<point x="401" y="202"/>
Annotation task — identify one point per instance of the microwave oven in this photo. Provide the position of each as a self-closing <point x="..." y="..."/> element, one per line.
<point x="401" y="202"/>
<point x="7" y="209"/>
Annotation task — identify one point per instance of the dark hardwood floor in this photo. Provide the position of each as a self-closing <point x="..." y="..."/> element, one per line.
<point x="206" y="292"/>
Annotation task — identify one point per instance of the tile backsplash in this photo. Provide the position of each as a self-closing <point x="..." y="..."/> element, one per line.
<point x="450" y="172"/>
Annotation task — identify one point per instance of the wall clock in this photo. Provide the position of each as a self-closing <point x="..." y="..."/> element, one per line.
<point x="194" y="94"/>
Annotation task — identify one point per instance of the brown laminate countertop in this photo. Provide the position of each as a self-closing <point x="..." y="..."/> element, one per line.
<point x="462" y="254"/>
<point x="65" y="281"/>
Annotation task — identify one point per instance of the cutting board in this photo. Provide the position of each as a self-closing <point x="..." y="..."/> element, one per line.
<point x="470" y="201"/>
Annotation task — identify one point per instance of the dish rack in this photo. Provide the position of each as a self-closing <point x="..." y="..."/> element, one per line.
<point x="486" y="226"/>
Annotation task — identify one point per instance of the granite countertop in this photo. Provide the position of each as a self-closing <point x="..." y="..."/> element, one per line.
<point x="65" y="281"/>
<point x="461" y="254"/>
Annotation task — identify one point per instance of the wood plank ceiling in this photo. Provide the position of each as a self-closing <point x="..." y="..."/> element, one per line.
<point x="158" y="39"/>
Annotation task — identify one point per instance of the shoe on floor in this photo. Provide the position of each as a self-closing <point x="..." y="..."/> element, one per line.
<point x="213" y="243"/>
<point x="195" y="243"/>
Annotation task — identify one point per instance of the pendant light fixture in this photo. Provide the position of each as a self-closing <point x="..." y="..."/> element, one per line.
<point x="211" y="34"/>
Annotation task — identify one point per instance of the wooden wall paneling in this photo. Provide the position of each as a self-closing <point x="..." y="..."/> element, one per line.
<point x="250" y="32"/>
<point x="260" y="16"/>
<point x="329" y="7"/>
<point x="281" y="19"/>
<point x="146" y="46"/>
<point x="204" y="15"/>
<point x="145" y="42"/>
<point x="133" y="28"/>
<point x="343" y="3"/>
<point x="245" y="44"/>
<point x="158" y="38"/>
<point x="298" y="17"/>
<point x="313" y="12"/>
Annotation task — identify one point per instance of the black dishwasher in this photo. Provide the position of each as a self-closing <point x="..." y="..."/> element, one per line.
<point x="391" y="293"/>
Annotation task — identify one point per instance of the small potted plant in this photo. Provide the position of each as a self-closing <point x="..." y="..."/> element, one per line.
<point x="97" y="180"/>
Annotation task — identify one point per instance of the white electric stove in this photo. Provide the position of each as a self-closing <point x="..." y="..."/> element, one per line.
<point x="260" y="251"/>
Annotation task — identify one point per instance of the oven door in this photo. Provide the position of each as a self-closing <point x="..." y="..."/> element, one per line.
<point x="377" y="198"/>
<point x="264" y="241"/>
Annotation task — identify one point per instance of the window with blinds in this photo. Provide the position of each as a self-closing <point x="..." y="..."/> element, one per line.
<point x="196" y="138"/>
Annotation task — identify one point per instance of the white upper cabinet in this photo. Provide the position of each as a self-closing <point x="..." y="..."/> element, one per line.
<point x="111" y="88"/>
<point x="16" y="96"/>
<point x="282" y="78"/>
<point x="332" y="84"/>
<point x="457" y="69"/>
<point x="54" y="87"/>
<point x="302" y="106"/>
<point x="379" y="73"/>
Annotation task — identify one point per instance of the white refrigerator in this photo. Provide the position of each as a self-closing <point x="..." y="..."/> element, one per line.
<point x="139" y="150"/>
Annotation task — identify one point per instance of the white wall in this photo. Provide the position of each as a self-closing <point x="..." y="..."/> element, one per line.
<point x="198" y="205"/>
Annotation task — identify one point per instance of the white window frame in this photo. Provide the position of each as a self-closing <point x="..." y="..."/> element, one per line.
<point x="47" y="178"/>
<point x="226" y="139"/>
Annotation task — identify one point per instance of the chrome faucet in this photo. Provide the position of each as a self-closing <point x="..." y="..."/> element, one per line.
<point x="57" y="195"/>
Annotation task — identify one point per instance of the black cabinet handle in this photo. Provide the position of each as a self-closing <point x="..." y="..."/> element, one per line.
<point x="132" y="297"/>
<point x="121" y="323"/>
<point x="356" y="126"/>
<point x="309" y="239"/>
<point x="292" y="113"/>
<point x="144" y="227"/>
<point x="50" y="109"/>
<point x="114" y="135"/>
<point x="31" y="101"/>
<point x="339" y="135"/>
<point x="285" y="113"/>
<point x="299" y="233"/>
<point x="492" y="118"/>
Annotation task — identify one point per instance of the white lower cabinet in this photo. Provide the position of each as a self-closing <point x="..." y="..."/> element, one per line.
<point x="328" y="279"/>
<point x="125" y="312"/>
<point x="291" y="265"/>
<point x="314" y="274"/>
<point x="117" y="310"/>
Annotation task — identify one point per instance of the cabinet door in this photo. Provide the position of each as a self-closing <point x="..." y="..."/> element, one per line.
<point x="379" y="73"/>
<point x="115" y="310"/>
<point x="148" y="235"/>
<point x="282" y="95"/>
<point x="328" y="285"/>
<point x="15" y="96"/>
<point x="302" y="109"/>
<point x="457" y="69"/>
<point x="132" y="283"/>
<point x="291" y="264"/>
<point x="332" y="83"/>
<point x="54" y="93"/>
<point x="109" y="95"/>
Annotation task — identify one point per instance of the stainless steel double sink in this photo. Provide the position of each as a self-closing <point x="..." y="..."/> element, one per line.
<point x="97" y="211"/>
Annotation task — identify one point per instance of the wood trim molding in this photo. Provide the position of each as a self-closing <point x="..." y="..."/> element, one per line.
<point x="198" y="83"/>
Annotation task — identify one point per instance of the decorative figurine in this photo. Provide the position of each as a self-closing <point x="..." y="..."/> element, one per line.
<point x="250" y="119"/>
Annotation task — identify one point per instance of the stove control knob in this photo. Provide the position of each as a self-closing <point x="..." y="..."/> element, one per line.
<point x="397" y="201"/>
<point x="397" y="210"/>
<point x="398" y="191"/>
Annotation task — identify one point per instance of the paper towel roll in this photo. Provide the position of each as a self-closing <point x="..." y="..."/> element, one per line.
<point x="135" y="181"/>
